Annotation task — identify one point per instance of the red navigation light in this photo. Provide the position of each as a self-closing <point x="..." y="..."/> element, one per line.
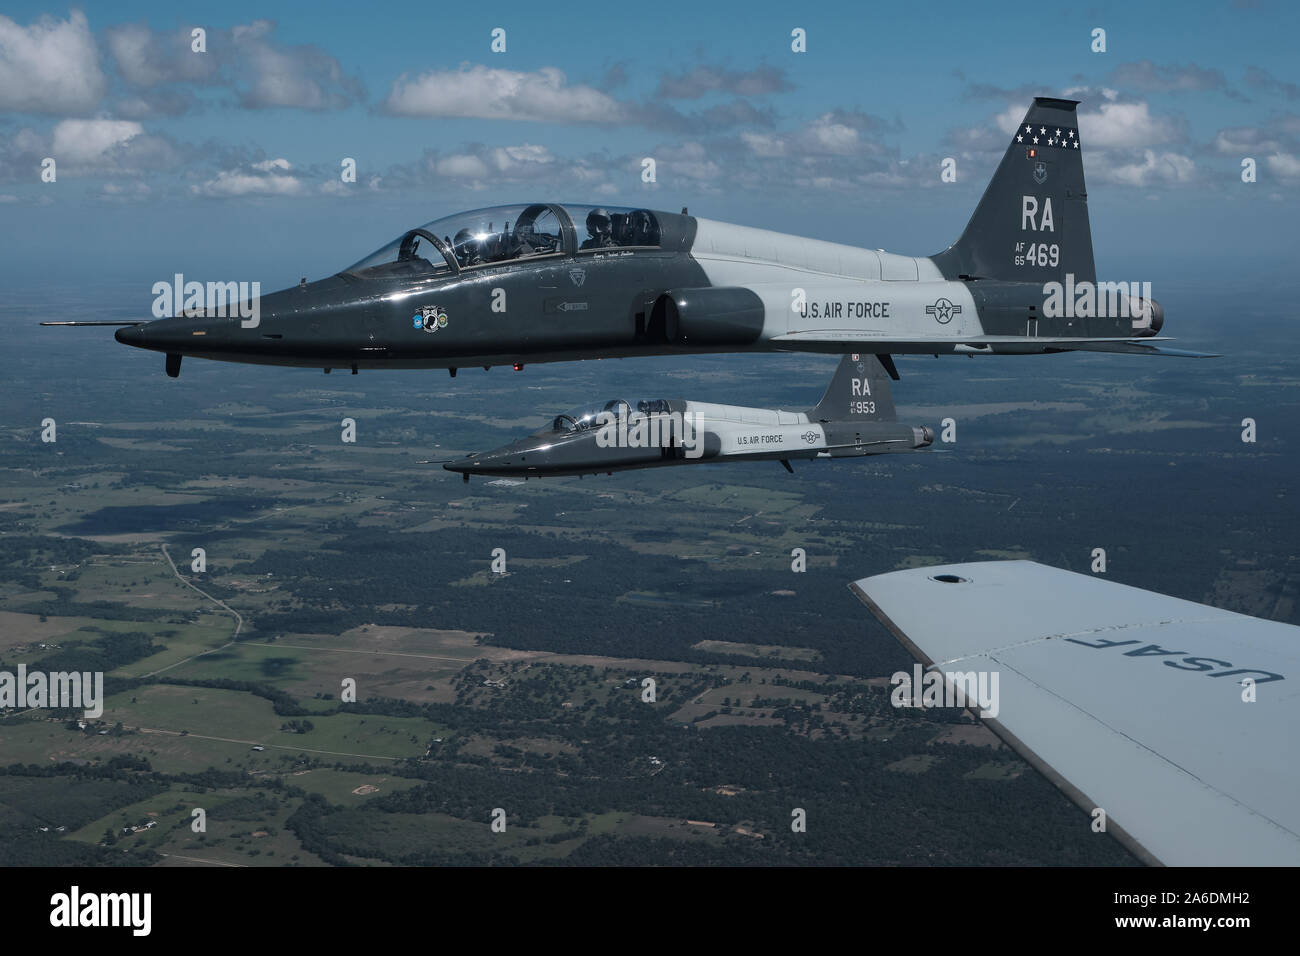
<point x="519" y="366"/>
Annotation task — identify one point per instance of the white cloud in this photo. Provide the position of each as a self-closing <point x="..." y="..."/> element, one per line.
<point x="1126" y="125"/>
<point x="303" y="77"/>
<point x="146" y="59"/>
<point x="81" y="142"/>
<point x="51" y="66"/>
<point x="461" y="166"/>
<point x="1284" y="165"/>
<point x="764" y="144"/>
<point x="263" y="73"/>
<point x="261" y="179"/>
<point x="516" y="158"/>
<point x="832" y="137"/>
<point x="1153" y="169"/>
<point x="486" y="93"/>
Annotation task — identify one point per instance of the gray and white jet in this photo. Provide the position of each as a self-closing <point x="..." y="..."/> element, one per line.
<point x="550" y="282"/>
<point x="855" y="417"/>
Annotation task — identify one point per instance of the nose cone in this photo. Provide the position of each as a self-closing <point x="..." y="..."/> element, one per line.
<point x="182" y="335"/>
<point x="463" y="466"/>
<point x="519" y="457"/>
<point x="130" y="335"/>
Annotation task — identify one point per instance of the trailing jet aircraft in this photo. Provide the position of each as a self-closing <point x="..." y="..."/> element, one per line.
<point x="545" y="282"/>
<point x="854" y="418"/>
<point x="1170" y="723"/>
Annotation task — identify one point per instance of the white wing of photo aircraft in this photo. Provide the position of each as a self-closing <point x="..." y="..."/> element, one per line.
<point x="1129" y="701"/>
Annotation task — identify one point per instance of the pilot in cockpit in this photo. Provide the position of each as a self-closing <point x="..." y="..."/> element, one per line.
<point x="468" y="249"/>
<point x="599" y="230"/>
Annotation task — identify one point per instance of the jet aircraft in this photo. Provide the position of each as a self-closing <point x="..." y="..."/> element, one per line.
<point x="548" y="282"/>
<point x="855" y="417"/>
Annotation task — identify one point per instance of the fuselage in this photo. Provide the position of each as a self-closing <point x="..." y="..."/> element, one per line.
<point x="528" y="287"/>
<point x="620" y="436"/>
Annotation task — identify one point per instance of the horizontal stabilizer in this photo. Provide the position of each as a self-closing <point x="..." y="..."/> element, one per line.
<point x="1141" y="348"/>
<point x="837" y="340"/>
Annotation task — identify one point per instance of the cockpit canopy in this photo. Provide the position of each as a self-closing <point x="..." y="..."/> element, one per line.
<point x="594" y="416"/>
<point x="497" y="234"/>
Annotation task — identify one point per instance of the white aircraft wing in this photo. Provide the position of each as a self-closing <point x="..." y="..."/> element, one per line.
<point x="1127" y="700"/>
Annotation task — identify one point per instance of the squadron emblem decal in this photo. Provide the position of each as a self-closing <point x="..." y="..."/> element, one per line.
<point x="1040" y="173"/>
<point x="943" y="310"/>
<point x="431" y="318"/>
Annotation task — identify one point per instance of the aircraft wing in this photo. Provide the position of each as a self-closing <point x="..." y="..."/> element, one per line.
<point x="839" y="340"/>
<point x="1127" y="700"/>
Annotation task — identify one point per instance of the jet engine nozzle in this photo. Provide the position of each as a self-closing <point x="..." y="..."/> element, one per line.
<point x="1148" y="316"/>
<point x="923" y="436"/>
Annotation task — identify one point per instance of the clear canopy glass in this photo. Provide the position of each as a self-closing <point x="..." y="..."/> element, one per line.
<point x="590" y="416"/>
<point x="605" y="227"/>
<point x="496" y="234"/>
<point x="475" y="238"/>
<point x="410" y="255"/>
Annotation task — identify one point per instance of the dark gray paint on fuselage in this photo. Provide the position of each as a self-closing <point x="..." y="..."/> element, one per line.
<point x="572" y="305"/>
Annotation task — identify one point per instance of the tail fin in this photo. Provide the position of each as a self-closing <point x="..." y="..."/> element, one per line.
<point x="859" y="391"/>
<point x="1031" y="225"/>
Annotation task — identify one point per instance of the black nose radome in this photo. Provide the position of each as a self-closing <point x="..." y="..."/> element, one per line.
<point x="130" y="335"/>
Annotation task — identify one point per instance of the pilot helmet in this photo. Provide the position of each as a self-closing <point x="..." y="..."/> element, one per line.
<point x="598" y="223"/>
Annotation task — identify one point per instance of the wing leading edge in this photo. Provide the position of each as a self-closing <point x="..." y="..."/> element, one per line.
<point x="1127" y="700"/>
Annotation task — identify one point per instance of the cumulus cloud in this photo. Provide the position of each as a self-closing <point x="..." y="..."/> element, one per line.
<point x="837" y="150"/>
<point x="482" y="92"/>
<point x="1151" y="169"/>
<point x="546" y="95"/>
<point x="84" y="147"/>
<point x="1127" y="124"/>
<point x="268" y="178"/>
<point x="51" y="66"/>
<point x="162" y="70"/>
<point x="147" y="58"/>
<point x="303" y="77"/>
<point x="1283" y="165"/>
<point x="82" y="142"/>
<point x="1276" y="145"/>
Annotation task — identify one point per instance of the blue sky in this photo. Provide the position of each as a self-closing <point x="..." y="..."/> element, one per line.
<point x="226" y="164"/>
